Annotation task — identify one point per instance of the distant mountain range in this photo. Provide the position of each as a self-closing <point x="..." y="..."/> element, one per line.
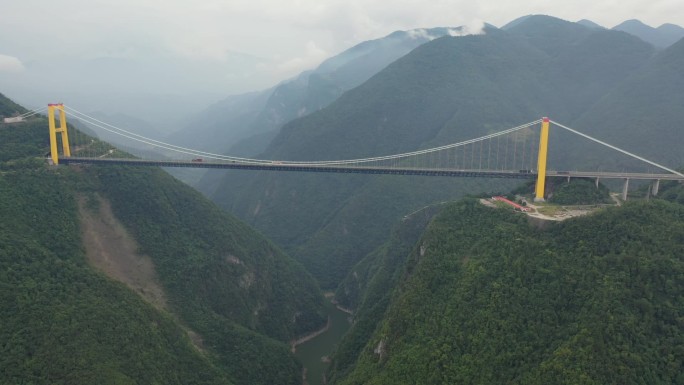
<point x="661" y="37"/>
<point x="244" y="125"/>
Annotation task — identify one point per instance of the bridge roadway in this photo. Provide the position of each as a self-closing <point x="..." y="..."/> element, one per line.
<point x="351" y="169"/>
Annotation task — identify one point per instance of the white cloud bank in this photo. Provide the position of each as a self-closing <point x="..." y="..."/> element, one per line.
<point x="233" y="46"/>
<point x="10" y="64"/>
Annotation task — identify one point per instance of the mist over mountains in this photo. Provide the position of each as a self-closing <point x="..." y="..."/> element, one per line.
<point x="245" y="131"/>
<point x="150" y="82"/>
<point x="222" y="126"/>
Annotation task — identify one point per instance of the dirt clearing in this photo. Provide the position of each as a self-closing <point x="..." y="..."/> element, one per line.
<point x="110" y="249"/>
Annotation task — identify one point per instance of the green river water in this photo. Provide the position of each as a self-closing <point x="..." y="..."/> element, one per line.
<point x="312" y="352"/>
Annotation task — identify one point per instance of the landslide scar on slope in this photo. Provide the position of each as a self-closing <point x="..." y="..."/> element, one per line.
<point x="112" y="250"/>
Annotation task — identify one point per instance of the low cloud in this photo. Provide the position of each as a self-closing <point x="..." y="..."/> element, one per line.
<point x="476" y="27"/>
<point x="10" y="64"/>
<point x="421" y="33"/>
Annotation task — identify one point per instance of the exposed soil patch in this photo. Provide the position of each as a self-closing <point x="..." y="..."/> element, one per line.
<point x="540" y="213"/>
<point x="110" y="249"/>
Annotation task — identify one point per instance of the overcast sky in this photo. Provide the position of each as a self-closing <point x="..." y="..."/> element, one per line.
<point x="239" y="45"/>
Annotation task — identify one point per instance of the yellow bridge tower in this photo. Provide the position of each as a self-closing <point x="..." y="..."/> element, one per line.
<point x="54" y="130"/>
<point x="541" y="161"/>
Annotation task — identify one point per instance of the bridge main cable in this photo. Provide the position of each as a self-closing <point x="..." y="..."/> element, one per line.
<point x="419" y="152"/>
<point x="28" y="114"/>
<point x="153" y="142"/>
<point x="140" y="138"/>
<point x="618" y="149"/>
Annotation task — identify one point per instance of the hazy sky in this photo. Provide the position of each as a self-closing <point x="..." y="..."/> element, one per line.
<point x="224" y="47"/>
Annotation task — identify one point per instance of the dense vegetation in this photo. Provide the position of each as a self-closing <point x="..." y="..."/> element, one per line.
<point x="224" y="280"/>
<point x="369" y="286"/>
<point x="212" y="261"/>
<point x="576" y="191"/>
<point x="64" y="323"/>
<point x="8" y="108"/>
<point x="579" y="192"/>
<point x="673" y="192"/>
<point x="488" y="299"/>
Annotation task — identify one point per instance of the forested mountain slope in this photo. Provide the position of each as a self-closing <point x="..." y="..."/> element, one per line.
<point x="62" y="322"/>
<point x="223" y="126"/>
<point x="303" y="95"/>
<point x="8" y="108"/>
<point x="582" y="64"/>
<point x="241" y="294"/>
<point x="450" y="89"/>
<point x="488" y="299"/>
<point x="369" y="286"/>
<point x="673" y="192"/>
<point x="397" y="110"/>
<point x="244" y="125"/>
<point x="643" y="114"/>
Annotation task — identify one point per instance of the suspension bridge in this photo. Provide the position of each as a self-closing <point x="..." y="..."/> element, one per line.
<point x="519" y="152"/>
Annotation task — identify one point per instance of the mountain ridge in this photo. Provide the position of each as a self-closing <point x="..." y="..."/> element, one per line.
<point x="661" y="37"/>
<point x="437" y="94"/>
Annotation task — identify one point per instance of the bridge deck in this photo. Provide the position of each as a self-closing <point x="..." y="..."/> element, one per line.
<point x="282" y="166"/>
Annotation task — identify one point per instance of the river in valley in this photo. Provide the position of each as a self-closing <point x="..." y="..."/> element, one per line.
<point x="314" y="353"/>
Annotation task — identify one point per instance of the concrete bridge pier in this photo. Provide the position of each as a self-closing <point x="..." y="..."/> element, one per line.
<point x="625" y="188"/>
<point x="655" y="187"/>
<point x="597" y="182"/>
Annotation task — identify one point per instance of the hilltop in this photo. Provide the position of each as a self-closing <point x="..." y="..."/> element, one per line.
<point x="486" y="298"/>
